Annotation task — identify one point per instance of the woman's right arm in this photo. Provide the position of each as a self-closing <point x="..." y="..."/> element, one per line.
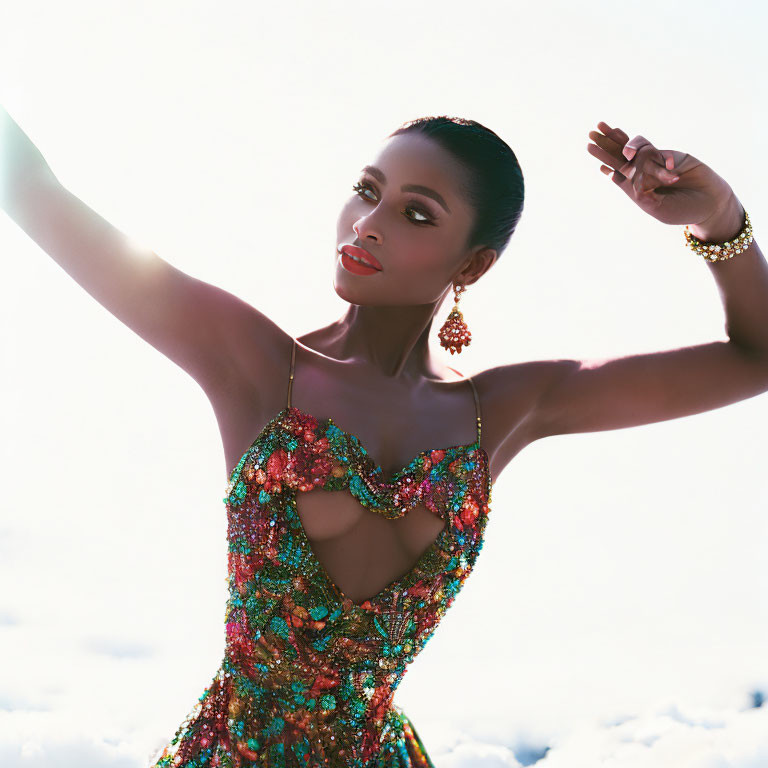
<point x="197" y="325"/>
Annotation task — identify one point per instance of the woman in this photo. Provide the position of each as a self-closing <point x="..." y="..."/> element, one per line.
<point x="333" y="594"/>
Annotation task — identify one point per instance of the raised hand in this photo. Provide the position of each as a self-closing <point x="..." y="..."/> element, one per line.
<point x="673" y="187"/>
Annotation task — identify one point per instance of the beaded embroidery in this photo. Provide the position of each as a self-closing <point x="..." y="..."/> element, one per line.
<point x="308" y="676"/>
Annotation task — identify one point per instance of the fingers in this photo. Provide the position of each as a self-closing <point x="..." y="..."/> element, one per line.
<point x="637" y="167"/>
<point x="605" y="156"/>
<point x="654" y="170"/>
<point x="632" y="147"/>
<point x="607" y="146"/>
<point x="641" y="188"/>
<point x="607" y="149"/>
<point x="669" y="158"/>
<point x="617" y="177"/>
<point x="640" y="153"/>
<point x="610" y="141"/>
<point x="616" y="134"/>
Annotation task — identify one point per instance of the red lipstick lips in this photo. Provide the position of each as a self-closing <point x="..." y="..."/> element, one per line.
<point x="369" y="260"/>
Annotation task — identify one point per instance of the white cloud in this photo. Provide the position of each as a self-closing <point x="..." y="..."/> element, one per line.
<point x="667" y="736"/>
<point x="60" y="740"/>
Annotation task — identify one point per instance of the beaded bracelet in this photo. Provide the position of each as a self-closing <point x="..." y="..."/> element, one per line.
<point x="722" y="251"/>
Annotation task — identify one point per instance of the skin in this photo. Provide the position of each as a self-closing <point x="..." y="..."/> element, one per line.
<point x="372" y="370"/>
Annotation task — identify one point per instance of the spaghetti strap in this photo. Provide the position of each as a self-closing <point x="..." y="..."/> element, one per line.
<point x="477" y="408"/>
<point x="477" y="401"/>
<point x="290" y="376"/>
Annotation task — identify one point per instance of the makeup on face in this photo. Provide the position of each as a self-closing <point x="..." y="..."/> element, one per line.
<point x="356" y="267"/>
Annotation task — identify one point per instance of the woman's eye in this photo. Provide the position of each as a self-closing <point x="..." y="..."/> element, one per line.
<point x="361" y="187"/>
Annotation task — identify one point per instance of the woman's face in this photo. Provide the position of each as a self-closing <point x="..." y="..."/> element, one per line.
<point x="417" y="239"/>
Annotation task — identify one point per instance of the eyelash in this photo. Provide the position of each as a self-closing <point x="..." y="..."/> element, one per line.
<point x="363" y="185"/>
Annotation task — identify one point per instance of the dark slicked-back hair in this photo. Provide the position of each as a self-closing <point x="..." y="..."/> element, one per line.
<point x="493" y="185"/>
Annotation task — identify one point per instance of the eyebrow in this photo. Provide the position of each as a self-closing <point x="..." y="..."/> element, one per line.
<point x="379" y="174"/>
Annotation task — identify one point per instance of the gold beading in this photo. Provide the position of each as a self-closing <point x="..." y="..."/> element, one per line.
<point x="722" y="251"/>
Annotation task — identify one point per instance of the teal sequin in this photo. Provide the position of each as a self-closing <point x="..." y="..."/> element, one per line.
<point x="308" y="676"/>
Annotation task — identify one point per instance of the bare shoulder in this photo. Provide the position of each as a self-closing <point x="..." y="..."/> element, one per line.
<point x="258" y="347"/>
<point x="508" y="396"/>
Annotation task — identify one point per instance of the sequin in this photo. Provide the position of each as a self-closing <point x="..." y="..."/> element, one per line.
<point x="308" y="676"/>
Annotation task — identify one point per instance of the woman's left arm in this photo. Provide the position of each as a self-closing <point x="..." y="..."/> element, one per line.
<point x="586" y="396"/>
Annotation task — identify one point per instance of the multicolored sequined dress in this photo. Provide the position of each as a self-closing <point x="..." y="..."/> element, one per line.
<point x="308" y="676"/>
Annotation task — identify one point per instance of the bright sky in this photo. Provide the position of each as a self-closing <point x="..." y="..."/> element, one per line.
<point x="617" y="615"/>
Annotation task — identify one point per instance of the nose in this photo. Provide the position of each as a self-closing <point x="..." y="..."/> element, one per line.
<point x="363" y="230"/>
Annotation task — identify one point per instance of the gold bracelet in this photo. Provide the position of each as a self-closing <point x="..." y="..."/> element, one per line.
<point x="722" y="251"/>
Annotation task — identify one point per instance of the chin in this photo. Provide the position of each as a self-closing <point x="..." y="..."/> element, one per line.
<point x="342" y="292"/>
<point x="351" y="296"/>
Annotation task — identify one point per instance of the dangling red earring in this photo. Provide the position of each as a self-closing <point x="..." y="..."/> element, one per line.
<point x="454" y="334"/>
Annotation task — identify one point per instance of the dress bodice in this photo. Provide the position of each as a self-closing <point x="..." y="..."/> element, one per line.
<point x="308" y="675"/>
